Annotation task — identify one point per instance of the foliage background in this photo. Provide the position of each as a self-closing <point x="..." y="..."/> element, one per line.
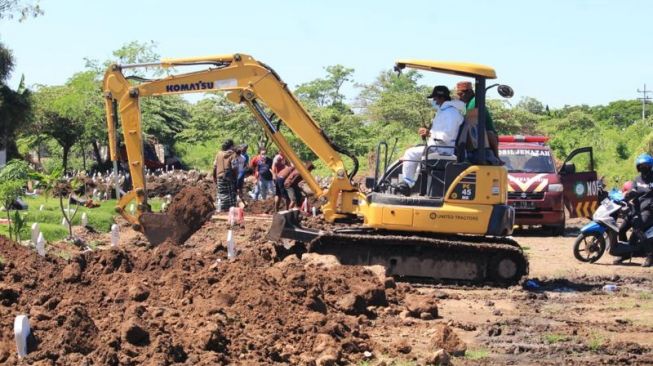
<point x="68" y="120"/>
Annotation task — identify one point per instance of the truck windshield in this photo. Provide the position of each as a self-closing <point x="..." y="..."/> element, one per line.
<point x="527" y="160"/>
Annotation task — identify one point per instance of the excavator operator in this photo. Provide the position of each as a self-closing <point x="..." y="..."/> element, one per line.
<point x="444" y="129"/>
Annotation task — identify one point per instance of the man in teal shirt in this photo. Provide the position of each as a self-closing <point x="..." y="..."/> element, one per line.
<point x="465" y="92"/>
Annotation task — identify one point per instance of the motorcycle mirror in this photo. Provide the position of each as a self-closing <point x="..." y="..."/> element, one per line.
<point x="505" y="91"/>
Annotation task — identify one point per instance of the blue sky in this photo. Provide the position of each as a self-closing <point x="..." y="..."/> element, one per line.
<point x="560" y="52"/>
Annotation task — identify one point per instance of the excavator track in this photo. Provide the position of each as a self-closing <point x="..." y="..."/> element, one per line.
<point x="470" y="259"/>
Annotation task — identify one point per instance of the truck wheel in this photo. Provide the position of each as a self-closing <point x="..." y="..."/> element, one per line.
<point x="558" y="230"/>
<point x="589" y="248"/>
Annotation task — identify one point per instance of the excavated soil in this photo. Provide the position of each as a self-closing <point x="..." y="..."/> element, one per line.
<point x="189" y="304"/>
<point x="188" y="211"/>
<point x="171" y="183"/>
<point x="193" y="206"/>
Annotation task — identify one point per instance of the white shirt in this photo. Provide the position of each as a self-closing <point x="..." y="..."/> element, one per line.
<point x="446" y="123"/>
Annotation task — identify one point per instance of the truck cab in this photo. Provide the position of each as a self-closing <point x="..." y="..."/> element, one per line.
<point x="538" y="191"/>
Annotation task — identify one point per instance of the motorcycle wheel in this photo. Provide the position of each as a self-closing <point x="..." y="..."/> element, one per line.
<point x="589" y="248"/>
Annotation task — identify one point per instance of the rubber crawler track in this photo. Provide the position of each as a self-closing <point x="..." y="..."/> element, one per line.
<point x="350" y="247"/>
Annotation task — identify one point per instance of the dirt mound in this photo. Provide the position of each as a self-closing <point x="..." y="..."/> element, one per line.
<point x="188" y="211"/>
<point x="168" y="303"/>
<point x="260" y="206"/>
<point x="192" y="206"/>
<point x="171" y="183"/>
<point x="445" y="338"/>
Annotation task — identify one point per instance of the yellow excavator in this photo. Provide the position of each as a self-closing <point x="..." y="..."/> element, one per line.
<point x="454" y="226"/>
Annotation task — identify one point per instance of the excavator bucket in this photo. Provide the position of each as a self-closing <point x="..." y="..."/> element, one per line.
<point x="159" y="227"/>
<point x="286" y="225"/>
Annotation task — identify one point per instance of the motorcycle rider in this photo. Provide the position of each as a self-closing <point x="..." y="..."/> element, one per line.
<point x="642" y="195"/>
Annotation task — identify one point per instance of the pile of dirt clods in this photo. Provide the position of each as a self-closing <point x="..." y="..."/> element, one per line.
<point x="172" y="304"/>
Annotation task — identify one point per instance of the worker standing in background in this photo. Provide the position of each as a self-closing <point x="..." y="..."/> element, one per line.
<point x="279" y="164"/>
<point x="261" y="165"/>
<point x="242" y="161"/>
<point x="280" y="181"/>
<point x="291" y="184"/>
<point x="465" y="92"/>
<point x="225" y="173"/>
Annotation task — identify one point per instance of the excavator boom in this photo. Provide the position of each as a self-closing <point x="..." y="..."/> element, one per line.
<point x="244" y="80"/>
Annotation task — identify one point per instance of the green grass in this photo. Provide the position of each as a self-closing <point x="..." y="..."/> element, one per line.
<point x="595" y="342"/>
<point x="100" y="218"/>
<point x="555" y="338"/>
<point x="645" y="295"/>
<point x="476" y="354"/>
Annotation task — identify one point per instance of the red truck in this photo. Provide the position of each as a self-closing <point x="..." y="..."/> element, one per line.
<point x="538" y="191"/>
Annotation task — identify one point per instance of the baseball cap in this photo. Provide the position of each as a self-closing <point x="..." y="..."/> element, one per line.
<point x="440" y="91"/>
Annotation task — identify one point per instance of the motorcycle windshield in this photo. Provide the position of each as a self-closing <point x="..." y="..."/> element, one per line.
<point x="606" y="209"/>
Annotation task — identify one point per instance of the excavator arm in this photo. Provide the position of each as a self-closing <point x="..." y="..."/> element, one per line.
<point x="244" y="80"/>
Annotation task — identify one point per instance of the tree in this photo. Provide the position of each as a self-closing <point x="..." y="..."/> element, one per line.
<point x="393" y="107"/>
<point x="531" y="105"/>
<point x="215" y="118"/>
<point x="11" y="8"/>
<point x="10" y="190"/>
<point x="55" y="117"/>
<point x="326" y="92"/>
<point x="14" y="105"/>
<point x="65" y="131"/>
<point x="164" y="117"/>
<point x="84" y="103"/>
<point x="17" y="170"/>
<point x="621" y="113"/>
<point x="12" y="180"/>
<point x="398" y="99"/>
<point x="129" y="53"/>
<point x="509" y="121"/>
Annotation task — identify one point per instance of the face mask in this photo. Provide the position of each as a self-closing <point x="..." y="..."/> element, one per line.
<point x="434" y="104"/>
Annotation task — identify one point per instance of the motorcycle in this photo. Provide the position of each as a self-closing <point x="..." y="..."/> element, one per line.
<point x="603" y="232"/>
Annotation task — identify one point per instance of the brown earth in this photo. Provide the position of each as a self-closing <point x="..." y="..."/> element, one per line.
<point x="172" y="183"/>
<point x="188" y="211"/>
<point x="189" y="304"/>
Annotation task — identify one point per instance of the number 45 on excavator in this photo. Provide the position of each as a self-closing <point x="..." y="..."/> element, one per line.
<point x="454" y="226"/>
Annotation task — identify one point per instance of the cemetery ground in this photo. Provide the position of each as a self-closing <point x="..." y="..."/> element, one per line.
<point x="189" y="304"/>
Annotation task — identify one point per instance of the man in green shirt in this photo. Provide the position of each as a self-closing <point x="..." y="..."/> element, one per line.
<point x="465" y="92"/>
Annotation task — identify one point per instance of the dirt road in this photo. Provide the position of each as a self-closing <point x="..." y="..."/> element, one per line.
<point x="565" y="318"/>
